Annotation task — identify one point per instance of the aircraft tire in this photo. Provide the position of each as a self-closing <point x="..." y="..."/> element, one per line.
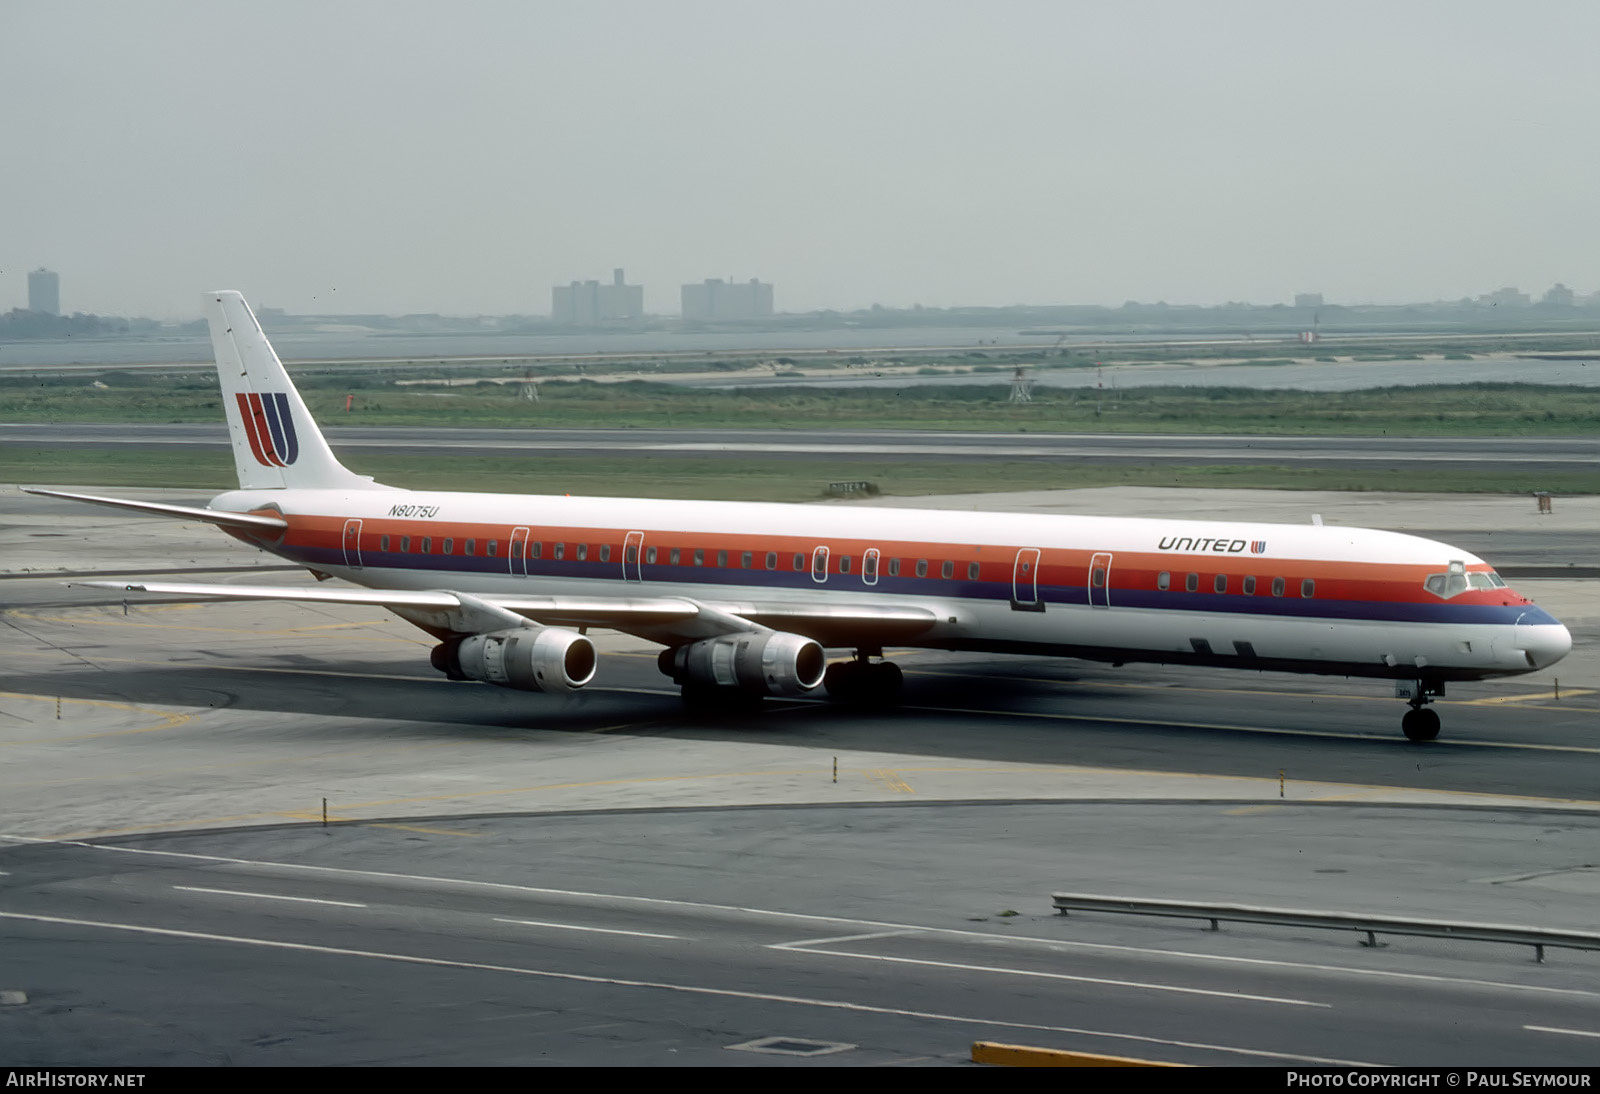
<point x="1420" y="724"/>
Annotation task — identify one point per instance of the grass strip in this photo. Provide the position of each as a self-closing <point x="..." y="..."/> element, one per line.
<point x="1485" y="409"/>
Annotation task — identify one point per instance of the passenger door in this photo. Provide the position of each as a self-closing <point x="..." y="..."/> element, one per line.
<point x="519" y="552"/>
<point x="1100" y="580"/>
<point x="352" y="543"/>
<point x="632" y="550"/>
<point x="1025" y="582"/>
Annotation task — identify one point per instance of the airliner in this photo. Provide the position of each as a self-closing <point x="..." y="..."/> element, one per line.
<point x="746" y="599"/>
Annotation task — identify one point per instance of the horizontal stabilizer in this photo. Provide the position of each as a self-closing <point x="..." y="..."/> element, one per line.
<point x="183" y="512"/>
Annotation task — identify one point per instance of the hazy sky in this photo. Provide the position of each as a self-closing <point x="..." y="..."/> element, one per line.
<point x="465" y="157"/>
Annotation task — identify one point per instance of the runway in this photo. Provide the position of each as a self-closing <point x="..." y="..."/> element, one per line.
<point x="608" y="878"/>
<point x="1574" y="453"/>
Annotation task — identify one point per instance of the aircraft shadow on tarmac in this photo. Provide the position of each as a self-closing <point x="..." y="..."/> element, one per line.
<point x="1028" y="712"/>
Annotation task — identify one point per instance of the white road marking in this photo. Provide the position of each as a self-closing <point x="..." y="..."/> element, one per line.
<point x="1568" y="1032"/>
<point x="575" y="927"/>
<point x="269" y="896"/>
<point x="835" y="938"/>
<point x="687" y="989"/>
<point x="1060" y="943"/>
<point x="1068" y="976"/>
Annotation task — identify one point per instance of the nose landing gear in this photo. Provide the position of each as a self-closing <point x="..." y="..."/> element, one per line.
<point x="1419" y="723"/>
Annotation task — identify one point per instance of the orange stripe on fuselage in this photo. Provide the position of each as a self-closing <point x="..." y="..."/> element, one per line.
<point x="1380" y="582"/>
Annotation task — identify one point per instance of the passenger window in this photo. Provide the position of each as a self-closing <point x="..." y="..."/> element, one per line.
<point x="722" y="559"/>
<point x="649" y="554"/>
<point x="1192" y="583"/>
<point x="1249" y="586"/>
<point x="799" y="561"/>
<point x="383" y="543"/>
<point x="744" y="560"/>
<point x="948" y="570"/>
<point x="405" y="545"/>
<point x="1097" y="577"/>
<point x="819" y="564"/>
<point x="559" y="550"/>
<point x="583" y="552"/>
<point x="844" y="564"/>
<point x="1308" y="587"/>
<point x="494" y="545"/>
<point x="972" y="571"/>
<point x="1220" y="584"/>
<point x="449" y="546"/>
<point x="894" y="567"/>
<point x="535" y="549"/>
<point x="673" y="556"/>
<point x="630" y="553"/>
<point x="869" y="566"/>
<point x="472" y="546"/>
<point x="427" y="545"/>
<point x="1277" y="586"/>
<point x="1164" y="580"/>
<point x="772" y="560"/>
<point x="922" y="567"/>
<point x="605" y="552"/>
<point x="699" y="556"/>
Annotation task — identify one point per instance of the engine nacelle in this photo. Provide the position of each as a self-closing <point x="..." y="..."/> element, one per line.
<point x="526" y="658"/>
<point x="758" y="662"/>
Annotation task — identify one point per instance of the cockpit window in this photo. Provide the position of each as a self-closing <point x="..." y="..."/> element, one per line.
<point x="1457" y="580"/>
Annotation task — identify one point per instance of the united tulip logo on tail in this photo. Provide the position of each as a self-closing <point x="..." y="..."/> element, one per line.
<point x="270" y="428"/>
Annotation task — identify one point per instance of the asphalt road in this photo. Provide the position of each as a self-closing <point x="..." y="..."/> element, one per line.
<point x="874" y="936"/>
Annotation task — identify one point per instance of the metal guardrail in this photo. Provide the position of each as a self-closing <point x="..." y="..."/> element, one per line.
<point x="1370" y="925"/>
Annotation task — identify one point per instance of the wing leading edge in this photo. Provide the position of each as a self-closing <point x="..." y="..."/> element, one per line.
<point x="658" y="619"/>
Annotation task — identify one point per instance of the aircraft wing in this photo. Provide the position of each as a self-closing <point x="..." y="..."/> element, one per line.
<point x="668" y="620"/>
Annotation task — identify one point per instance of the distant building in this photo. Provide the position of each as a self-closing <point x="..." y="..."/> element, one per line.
<point x="718" y="299"/>
<point x="1559" y="296"/>
<point x="44" y="292"/>
<point x="590" y="303"/>
<point x="1507" y="296"/>
<point x="1308" y="300"/>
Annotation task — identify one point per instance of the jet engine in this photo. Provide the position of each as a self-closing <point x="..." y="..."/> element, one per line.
<point x="526" y="658"/>
<point x="757" y="662"/>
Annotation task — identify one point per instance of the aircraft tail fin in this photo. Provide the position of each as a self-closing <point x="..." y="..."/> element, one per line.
<point x="276" y="443"/>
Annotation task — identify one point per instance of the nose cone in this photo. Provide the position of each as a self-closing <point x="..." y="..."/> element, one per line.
<point x="1544" y="644"/>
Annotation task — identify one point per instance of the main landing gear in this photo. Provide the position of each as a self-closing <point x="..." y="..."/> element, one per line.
<point x="864" y="683"/>
<point x="1419" y="723"/>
